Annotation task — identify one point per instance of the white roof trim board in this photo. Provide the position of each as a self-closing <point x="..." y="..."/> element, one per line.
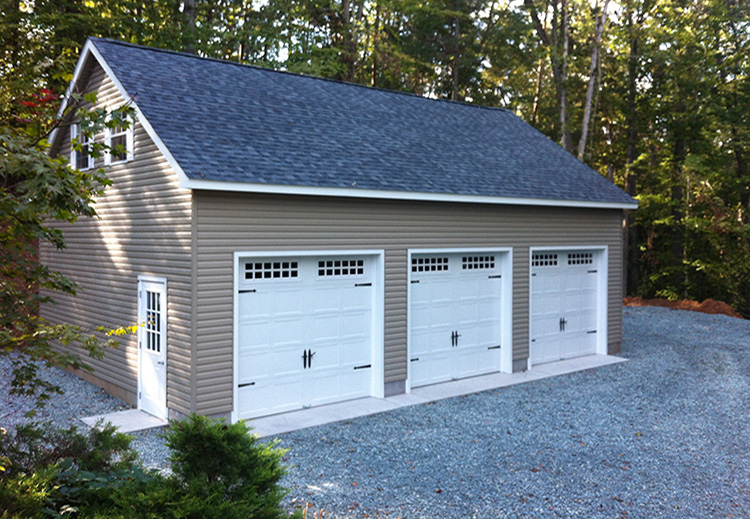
<point x="212" y="185"/>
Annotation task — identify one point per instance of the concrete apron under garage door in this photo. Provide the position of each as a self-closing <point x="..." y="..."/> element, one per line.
<point x="568" y="304"/>
<point x="307" y="330"/>
<point x="287" y="422"/>
<point x="460" y="305"/>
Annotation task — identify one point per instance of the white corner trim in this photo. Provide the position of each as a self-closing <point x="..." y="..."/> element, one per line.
<point x="243" y="187"/>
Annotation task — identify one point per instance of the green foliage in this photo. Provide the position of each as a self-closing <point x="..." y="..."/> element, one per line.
<point x="36" y="190"/>
<point x="219" y="472"/>
<point x="49" y="471"/>
<point x="216" y="463"/>
<point x="37" y="445"/>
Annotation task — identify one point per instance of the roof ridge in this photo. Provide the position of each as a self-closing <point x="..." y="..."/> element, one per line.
<point x="297" y="74"/>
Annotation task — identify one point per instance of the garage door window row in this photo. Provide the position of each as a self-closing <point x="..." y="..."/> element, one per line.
<point x="429" y="264"/>
<point x="581" y="258"/>
<point x="271" y="270"/>
<point x="544" y="260"/>
<point x="343" y="267"/>
<point x="478" y="262"/>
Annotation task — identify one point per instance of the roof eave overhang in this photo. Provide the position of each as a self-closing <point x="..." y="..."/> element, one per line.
<point x="242" y="187"/>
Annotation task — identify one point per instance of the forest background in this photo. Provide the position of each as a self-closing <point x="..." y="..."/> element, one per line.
<point x="653" y="94"/>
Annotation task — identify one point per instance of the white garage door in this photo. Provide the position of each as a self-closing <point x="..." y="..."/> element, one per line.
<point x="563" y="305"/>
<point x="305" y="332"/>
<point x="455" y="310"/>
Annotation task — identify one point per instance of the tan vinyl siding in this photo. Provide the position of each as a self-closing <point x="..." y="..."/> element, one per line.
<point x="230" y="222"/>
<point x="144" y="229"/>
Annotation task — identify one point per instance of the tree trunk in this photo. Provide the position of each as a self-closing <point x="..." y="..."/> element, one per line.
<point x="601" y="22"/>
<point x="631" y="155"/>
<point x="455" y="61"/>
<point x="678" y="195"/>
<point x="566" y="137"/>
<point x="189" y="37"/>
<point x="558" y="60"/>
<point x="375" y="49"/>
<point x="348" y="54"/>
<point x="538" y="92"/>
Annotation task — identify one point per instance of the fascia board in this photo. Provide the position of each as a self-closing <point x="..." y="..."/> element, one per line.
<point x="242" y="187"/>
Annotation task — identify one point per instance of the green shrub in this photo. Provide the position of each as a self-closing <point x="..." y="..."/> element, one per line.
<point x="220" y="471"/>
<point x="38" y="445"/>
<point x="50" y="471"/>
<point x="226" y="468"/>
<point x="28" y="496"/>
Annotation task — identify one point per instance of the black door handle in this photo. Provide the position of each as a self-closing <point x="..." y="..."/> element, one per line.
<point x="304" y="359"/>
<point x="563" y="322"/>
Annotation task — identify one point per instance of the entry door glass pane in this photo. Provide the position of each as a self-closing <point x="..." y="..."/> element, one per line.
<point x="153" y="321"/>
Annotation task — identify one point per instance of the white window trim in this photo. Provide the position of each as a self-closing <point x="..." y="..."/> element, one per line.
<point x="129" y="141"/>
<point x="74" y="133"/>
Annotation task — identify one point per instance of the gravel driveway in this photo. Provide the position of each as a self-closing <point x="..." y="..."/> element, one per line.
<point x="664" y="435"/>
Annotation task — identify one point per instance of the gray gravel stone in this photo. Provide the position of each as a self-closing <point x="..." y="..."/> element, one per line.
<point x="666" y="434"/>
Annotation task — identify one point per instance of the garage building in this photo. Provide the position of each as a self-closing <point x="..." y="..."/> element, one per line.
<point x="288" y="241"/>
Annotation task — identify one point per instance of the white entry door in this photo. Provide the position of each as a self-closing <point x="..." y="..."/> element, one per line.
<point x="455" y="316"/>
<point x="305" y="332"/>
<point x="152" y="346"/>
<point x="564" y="311"/>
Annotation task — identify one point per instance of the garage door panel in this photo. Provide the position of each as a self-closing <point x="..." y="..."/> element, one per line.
<point x="455" y="313"/>
<point x="300" y="337"/>
<point x="433" y="369"/>
<point x="284" y="395"/>
<point x="564" y="305"/>
<point x="350" y="355"/>
<point x="478" y="363"/>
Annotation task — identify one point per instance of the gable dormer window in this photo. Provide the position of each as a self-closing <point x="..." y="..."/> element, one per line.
<point x="80" y="159"/>
<point x="120" y="144"/>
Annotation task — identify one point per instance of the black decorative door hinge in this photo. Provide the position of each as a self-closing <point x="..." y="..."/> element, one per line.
<point x="563" y="322"/>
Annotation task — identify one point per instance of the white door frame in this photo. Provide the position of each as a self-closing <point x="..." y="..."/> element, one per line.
<point x="601" y="261"/>
<point x="161" y="411"/>
<point x="505" y="261"/>
<point x="377" y="381"/>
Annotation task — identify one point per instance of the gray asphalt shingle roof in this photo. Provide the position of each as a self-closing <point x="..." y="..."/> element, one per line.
<point x="236" y="123"/>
